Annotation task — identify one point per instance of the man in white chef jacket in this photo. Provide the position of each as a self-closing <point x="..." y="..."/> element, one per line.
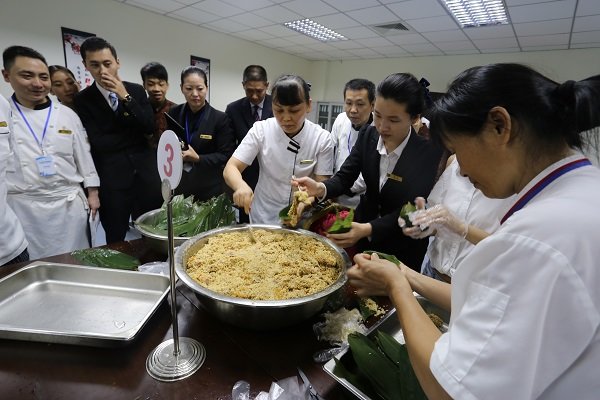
<point x="359" y="99"/>
<point x="13" y="245"/>
<point x="49" y="160"/>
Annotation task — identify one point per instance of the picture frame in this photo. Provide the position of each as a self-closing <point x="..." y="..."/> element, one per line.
<point x="71" y="43"/>
<point x="204" y="65"/>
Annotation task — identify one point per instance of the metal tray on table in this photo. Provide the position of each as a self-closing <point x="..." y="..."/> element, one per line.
<point x="72" y="304"/>
<point x="389" y="324"/>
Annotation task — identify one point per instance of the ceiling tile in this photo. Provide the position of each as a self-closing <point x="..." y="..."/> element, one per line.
<point x="301" y="39"/>
<point x="218" y="8"/>
<point x="336" y="21"/>
<point x="544" y="40"/>
<point x="442" y="23"/>
<point x="453" y="46"/>
<point x="194" y="15"/>
<point x="461" y="52"/>
<point x="159" y="6"/>
<point x="546" y="48"/>
<point x="349" y="5"/>
<point x="309" y="8"/>
<point x="416" y="9"/>
<point x="252" y="20"/>
<point x="276" y="42"/>
<point x="542" y="11"/>
<point x="278" y="31"/>
<point x="250" y="5"/>
<point x="358" y="32"/>
<point x="346" y="44"/>
<point x="588" y="23"/>
<point x="521" y="2"/>
<point x="585" y="45"/>
<point x="544" y="27"/>
<point x="391" y="51"/>
<point x="446" y="36"/>
<point x="278" y="14"/>
<point x="320" y="46"/>
<point x="365" y="52"/>
<point x="374" y="15"/>
<point x="254" y="34"/>
<point x="585" y="37"/>
<point x="588" y="7"/>
<point x="498" y="50"/>
<point x="374" y="42"/>
<point x="420" y="48"/>
<point x="227" y="25"/>
<point x="490" y="32"/>
<point x="498" y="43"/>
<point x="409" y="38"/>
<point x="188" y="2"/>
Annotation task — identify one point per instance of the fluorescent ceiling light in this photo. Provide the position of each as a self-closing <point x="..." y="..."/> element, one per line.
<point x="311" y="28"/>
<point x="471" y="13"/>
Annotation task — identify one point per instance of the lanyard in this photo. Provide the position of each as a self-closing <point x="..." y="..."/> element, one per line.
<point x="40" y="143"/>
<point x="188" y="134"/>
<point x="541" y="185"/>
<point x="349" y="138"/>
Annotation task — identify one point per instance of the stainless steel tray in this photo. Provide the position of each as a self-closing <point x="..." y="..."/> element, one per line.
<point x="388" y="324"/>
<point x="62" y="303"/>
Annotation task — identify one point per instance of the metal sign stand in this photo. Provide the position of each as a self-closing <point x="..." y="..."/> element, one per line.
<point x="176" y="358"/>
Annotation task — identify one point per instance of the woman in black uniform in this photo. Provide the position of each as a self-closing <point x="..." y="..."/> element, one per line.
<point x="208" y="135"/>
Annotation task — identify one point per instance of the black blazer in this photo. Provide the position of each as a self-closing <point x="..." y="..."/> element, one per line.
<point x="414" y="175"/>
<point x="212" y="138"/>
<point x="240" y="114"/>
<point x="118" y="140"/>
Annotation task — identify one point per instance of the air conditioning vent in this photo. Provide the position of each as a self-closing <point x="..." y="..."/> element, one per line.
<point x="395" y="26"/>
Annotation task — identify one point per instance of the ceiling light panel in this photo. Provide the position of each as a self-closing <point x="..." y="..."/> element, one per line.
<point x="310" y="28"/>
<point x="473" y="13"/>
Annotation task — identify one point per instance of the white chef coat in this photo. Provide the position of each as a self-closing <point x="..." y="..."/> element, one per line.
<point x="468" y="204"/>
<point x="344" y="137"/>
<point x="12" y="236"/>
<point x="52" y="209"/>
<point x="267" y="142"/>
<point x="525" y="302"/>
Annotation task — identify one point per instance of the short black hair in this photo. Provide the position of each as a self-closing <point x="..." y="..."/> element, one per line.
<point x="96" y="43"/>
<point x="254" y="73"/>
<point x="290" y="90"/>
<point x="192" y="69"/>
<point x="360" y="84"/>
<point x="154" y="70"/>
<point x="11" y="53"/>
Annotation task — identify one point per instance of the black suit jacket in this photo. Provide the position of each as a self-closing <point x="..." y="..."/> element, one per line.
<point x="212" y="138"/>
<point x="240" y="114"/>
<point x="117" y="139"/>
<point x="414" y="175"/>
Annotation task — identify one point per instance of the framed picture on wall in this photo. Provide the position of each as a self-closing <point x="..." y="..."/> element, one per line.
<point x="204" y="65"/>
<point x="72" y="40"/>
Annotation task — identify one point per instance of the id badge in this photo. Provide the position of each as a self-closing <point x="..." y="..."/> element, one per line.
<point x="45" y="165"/>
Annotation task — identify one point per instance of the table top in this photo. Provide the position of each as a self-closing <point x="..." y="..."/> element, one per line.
<point x="32" y="370"/>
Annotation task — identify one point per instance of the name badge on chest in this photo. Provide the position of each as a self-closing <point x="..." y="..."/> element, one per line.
<point x="45" y="166"/>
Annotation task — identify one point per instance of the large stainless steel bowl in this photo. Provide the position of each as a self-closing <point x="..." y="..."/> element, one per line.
<point x="258" y="314"/>
<point x="159" y="243"/>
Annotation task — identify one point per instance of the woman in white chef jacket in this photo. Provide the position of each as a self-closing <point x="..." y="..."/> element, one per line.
<point x="525" y="303"/>
<point x="49" y="160"/>
<point x="286" y="145"/>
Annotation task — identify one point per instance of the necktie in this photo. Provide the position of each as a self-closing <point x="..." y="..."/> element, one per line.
<point x="114" y="101"/>
<point x="255" y="112"/>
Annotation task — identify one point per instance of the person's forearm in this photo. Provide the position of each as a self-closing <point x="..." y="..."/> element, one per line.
<point x="420" y="335"/>
<point x="437" y="292"/>
<point x="233" y="177"/>
<point x="475" y="235"/>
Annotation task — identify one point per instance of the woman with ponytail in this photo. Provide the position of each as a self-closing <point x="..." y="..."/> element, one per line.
<point x="525" y="303"/>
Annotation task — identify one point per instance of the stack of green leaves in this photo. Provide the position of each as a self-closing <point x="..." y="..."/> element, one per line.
<point x="191" y="218"/>
<point x="382" y="368"/>
<point x="343" y="222"/>
<point x="107" y="258"/>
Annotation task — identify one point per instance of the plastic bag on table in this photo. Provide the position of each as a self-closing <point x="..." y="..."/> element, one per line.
<point x="284" y="389"/>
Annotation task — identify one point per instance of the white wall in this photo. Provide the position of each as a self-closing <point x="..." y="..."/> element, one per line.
<point x="141" y="36"/>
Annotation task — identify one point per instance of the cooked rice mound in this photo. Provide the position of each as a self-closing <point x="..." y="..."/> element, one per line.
<point x="278" y="266"/>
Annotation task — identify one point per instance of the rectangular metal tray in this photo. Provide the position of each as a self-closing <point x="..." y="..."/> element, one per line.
<point x="63" y="303"/>
<point x="388" y="324"/>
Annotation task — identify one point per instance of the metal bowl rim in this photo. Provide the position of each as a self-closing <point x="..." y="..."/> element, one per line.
<point x="151" y="235"/>
<point x="195" y="286"/>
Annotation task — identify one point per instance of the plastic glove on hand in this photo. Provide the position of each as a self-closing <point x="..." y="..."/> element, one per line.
<point x="441" y="219"/>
